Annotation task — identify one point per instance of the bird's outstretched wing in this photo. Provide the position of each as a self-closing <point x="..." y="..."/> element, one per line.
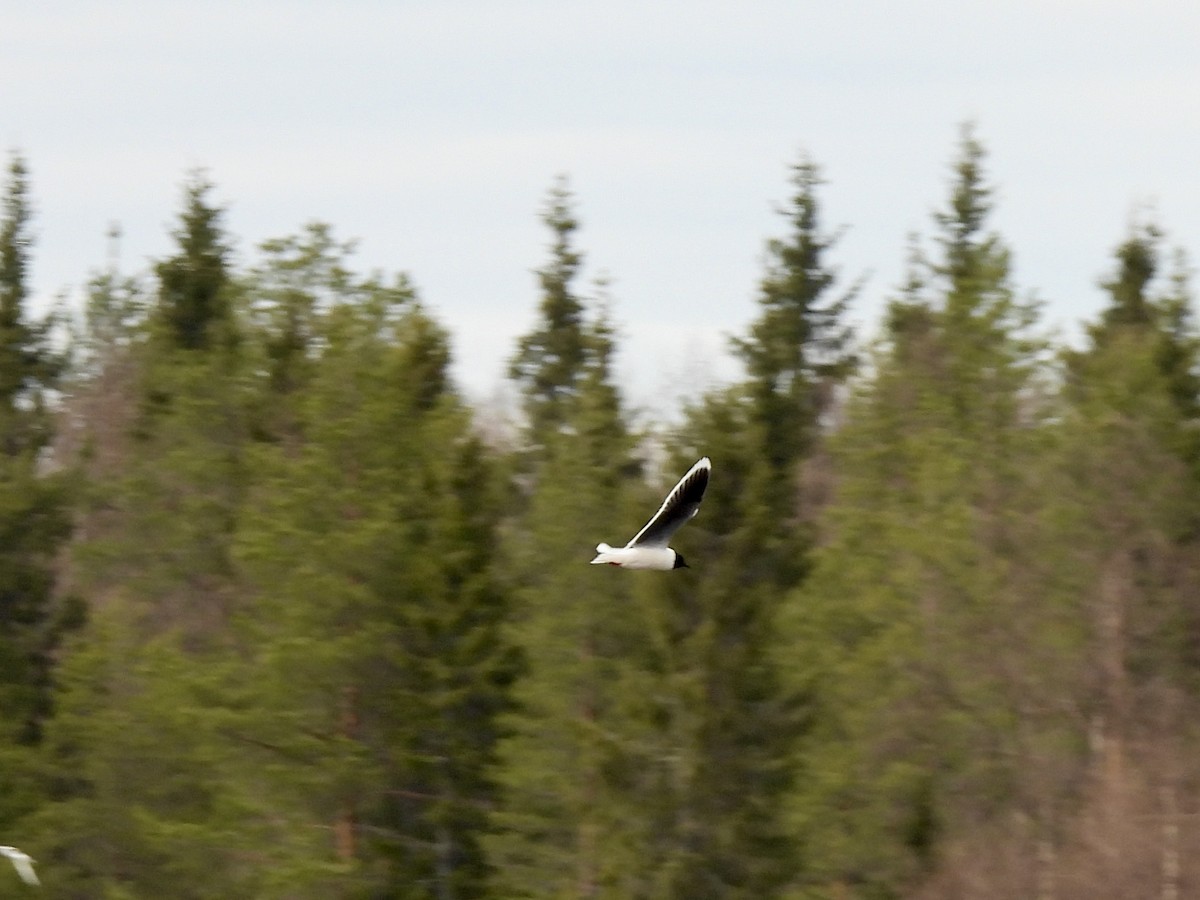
<point x="22" y="863"/>
<point x="25" y="869"/>
<point x="681" y="504"/>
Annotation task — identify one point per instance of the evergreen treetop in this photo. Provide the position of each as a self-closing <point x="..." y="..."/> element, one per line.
<point x="193" y="302"/>
<point x="799" y="346"/>
<point x="550" y="360"/>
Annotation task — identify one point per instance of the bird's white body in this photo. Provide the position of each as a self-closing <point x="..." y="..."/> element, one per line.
<point x="635" y="557"/>
<point x="22" y="862"/>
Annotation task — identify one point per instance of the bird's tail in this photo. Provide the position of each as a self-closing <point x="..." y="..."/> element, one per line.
<point x="603" y="552"/>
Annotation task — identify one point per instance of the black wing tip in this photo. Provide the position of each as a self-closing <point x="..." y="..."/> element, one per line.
<point x="693" y="484"/>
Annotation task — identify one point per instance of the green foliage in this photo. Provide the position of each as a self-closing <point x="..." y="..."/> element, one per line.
<point x="29" y="365"/>
<point x="192" y="299"/>
<point x="570" y="760"/>
<point x="923" y="566"/>
<point x="732" y="723"/>
<point x="720" y="724"/>
<point x="161" y="438"/>
<point x="34" y="508"/>
<point x="296" y="557"/>
<point x="139" y="800"/>
<point x="568" y="822"/>
<point x="1159" y="323"/>
<point x="549" y="360"/>
<point x="276" y="622"/>
<point x="376" y="613"/>
<point x="1130" y="440"/>
<point x="798" y="347"/>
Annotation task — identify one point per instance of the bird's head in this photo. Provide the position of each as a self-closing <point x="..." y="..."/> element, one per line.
<point x="680" y="563"/>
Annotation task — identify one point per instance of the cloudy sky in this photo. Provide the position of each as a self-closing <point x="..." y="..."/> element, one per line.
<point x="431" y="130"/>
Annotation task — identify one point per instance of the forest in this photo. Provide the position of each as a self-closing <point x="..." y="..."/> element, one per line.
<point x="282" y="615"/>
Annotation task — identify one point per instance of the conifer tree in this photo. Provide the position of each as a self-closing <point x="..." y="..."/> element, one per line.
<point x="798" y="347"/>
<point x="1128" y="491"/>
<point x="376" y="621"/>
<point x="550" y="359"/>
<point x="572" y="813"/>
<point x="1140" y="310"/>
<point x="317" y="636"/>
<point x="193" y="300"/>
<point x="139" y="802"/>
<point x="732" y="723"/>
<point x="924" y="565"/>
<point x="34" y="505"/>
<point x="167" y="475"/>
<point x="1105" y="564"/>
<point x="27" y="365"/>
<point x="299" y="278"/>
<point x="178" y="498"/>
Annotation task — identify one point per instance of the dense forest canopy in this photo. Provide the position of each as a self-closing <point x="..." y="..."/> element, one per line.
<point x="281" y="618"/>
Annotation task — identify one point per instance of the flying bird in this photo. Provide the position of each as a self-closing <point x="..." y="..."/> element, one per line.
<point x="22" y="862"/>
<point x="648" y="549"/>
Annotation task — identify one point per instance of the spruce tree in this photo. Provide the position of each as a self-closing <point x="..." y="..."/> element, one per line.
<point x="925" y="563"/>
<point x="193" y="301"/>
<point x="180" y="494"/>
<point x="164" y="428"/>
<point x="1128" y="492"/>
<point x="1147" y="306"/>
<point x="732" y="723"/>
<point x="297" y="280"/>
<point x="571" y="820"/>
<point x="140" y="803"/>
<point x="297" y="600"/>
<point x="550" y="359"/>
<point x="34" y="505"/>
<point x="797" y="348"/>
<point x="375" y="624"/>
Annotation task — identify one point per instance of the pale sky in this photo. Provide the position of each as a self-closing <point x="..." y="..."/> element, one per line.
<point x="431" y="132"/>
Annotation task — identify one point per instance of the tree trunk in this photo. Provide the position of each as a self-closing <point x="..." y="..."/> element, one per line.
<point x="1170" y="851"/>
<point x="344" y="831"/>
<point x="587" y="826"/>
<point x="1114" y="591"/>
